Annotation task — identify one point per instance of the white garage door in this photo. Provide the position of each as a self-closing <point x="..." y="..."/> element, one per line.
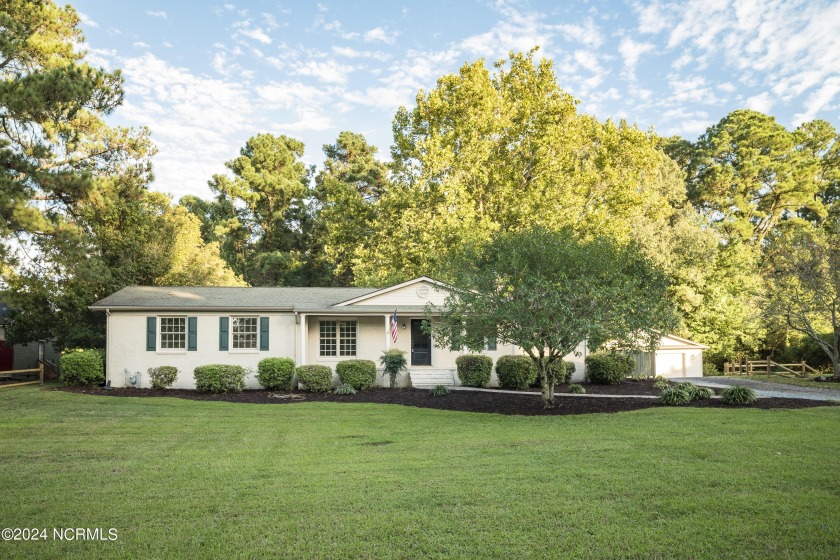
<point x="670" y="365"/>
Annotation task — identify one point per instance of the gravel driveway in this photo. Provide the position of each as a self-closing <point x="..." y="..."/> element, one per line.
<point x="767" y="389"/>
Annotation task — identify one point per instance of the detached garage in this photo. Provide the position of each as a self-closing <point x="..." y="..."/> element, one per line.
<point x="675" y="357"/>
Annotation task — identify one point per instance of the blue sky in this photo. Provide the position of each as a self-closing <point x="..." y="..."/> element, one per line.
<point x="206" y="76"/>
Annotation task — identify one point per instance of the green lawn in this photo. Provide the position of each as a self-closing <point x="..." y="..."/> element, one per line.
<point x="193" y="479"/>
<point x="799" y="382"/>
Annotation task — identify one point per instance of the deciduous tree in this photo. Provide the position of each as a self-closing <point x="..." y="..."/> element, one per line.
<point x="549" y="291"/>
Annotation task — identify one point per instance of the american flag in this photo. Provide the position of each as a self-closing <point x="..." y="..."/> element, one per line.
<point x="394" y="327"/>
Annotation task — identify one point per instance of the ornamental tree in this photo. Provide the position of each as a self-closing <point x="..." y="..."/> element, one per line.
<point x="804" y="285"/>
<point x="549" y="291"/>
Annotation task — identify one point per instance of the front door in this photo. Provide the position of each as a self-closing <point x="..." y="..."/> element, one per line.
<point x="421" y="344"/>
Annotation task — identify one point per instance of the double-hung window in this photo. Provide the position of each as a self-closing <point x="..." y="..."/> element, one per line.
<point x="337" y="338"/>
<point x="244" y="332"/>
<point x="173" y="333"/>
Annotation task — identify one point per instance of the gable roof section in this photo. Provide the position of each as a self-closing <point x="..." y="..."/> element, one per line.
<point x="681" y="343"/>
<point x="382" y="291"/>
<point x="215" y="298"/>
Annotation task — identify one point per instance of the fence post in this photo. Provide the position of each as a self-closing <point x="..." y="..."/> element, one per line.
<point x="802" y="365"/>
<point x="768" y="366"/>
<point x="725" y="368"/>
<point x="41" y="372"/>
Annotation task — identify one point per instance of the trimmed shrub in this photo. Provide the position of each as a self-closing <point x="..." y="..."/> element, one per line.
<point x="474" y="370"/>
<point x="577" y="389"/>
<point x="516" y="372"/>
<point x="394" y="363"/>
<point x="674" y="396"/>
<point x="163" y="376"/>
<point x="360" y="374"/>
<point x="660" y="383"/>
<point x="608" y="368"/>
<point x="276" y="373"/>
<point x="82" y="367"/>
<point x="344" y="389"/>
<point x="219" y="378"/>
<point x="317" y="379"/>
<point x="439" y="391"/>
<point x="710" y="370"/>
<point x="738" y="395"/>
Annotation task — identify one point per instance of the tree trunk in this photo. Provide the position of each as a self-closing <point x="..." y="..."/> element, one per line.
<point x="547" y="384"/>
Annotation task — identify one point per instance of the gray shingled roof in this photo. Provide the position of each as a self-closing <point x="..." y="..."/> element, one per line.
<point x="189" y="297"/>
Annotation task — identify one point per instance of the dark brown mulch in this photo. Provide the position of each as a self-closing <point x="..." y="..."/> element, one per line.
<point x="464" y="401"/>
<point x="626" y="388"/>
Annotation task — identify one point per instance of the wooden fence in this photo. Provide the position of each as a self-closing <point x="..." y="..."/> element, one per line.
<point x="767" y="367"/>
<point x="10" y="375"/>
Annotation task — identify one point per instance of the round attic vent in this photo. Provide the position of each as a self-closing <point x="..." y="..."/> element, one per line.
<point x="423" y="291"/>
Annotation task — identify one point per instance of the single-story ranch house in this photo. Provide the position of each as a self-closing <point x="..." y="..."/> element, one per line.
<point x="185" y="327"/>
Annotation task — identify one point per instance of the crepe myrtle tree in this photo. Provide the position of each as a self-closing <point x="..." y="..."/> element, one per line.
<point x="548" y="291"/>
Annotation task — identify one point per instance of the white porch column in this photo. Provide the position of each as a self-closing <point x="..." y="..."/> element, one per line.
<point x="304" y="334"/>
<point x="387" y="332"/>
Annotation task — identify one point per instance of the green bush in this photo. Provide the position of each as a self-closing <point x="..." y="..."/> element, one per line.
<point x="561" y="371"/>
<point x="276" y="373"/>
<point x="163" y="376"/>
<point x="516" y="372"/>
<point x="317" y="379"/>
<point x="344" y="389"/>
<point x="439" y="391"/>
<point x="360" y="374"/>
<point x="577" y="389"/>
<point x="738" y="395"/>
<point x="608" y="368"/>
<point x="82" y="367"/>
<point x="710" y="370"/>
<point x="696" y="393"/>
<point x="219" y="378"/>
<point x="661" y="384"/>
<point x="474" y="370"/>
<point x="674" y="396"/>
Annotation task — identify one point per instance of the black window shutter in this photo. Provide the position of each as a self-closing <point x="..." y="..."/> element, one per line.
<point x="151" y="335"/>
<point x="263" y="333"/>
<point x="223" y="333"/>
<point x="192" y="333"/>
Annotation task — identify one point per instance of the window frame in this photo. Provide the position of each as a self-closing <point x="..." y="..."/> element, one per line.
<point x="232" y="320"/>
<point x="337" y="339"/>
<point x="160" y="334"/>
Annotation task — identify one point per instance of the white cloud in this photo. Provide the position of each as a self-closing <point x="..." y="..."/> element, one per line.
<point x="157" y="14"/>
<point x="328" y="71"/>
<point x="762" y="102"/>
<point x="197" y="122"/>
<point x="818" y="100"/>
<point x="692" y="89"/>
<point x="516" y="31"/>
<point x="653" y="17"/>
<point x="586" y="34"/>
<point x="353" y="53"/>
<point x="255" y="33"/>
<point x="140" y="45"/>
<point x="86" y="20"/>
<point x="380" y="34"/>
<point x="292" y="94"/>
<point x="631" y="51"/>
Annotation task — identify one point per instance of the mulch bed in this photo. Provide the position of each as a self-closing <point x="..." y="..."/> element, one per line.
<point x="463" y="401"/>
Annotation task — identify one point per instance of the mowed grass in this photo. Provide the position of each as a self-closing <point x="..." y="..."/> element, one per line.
<point x="191" y="479"/>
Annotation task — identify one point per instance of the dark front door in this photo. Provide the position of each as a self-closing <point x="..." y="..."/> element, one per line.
<point x="421" y="344"/>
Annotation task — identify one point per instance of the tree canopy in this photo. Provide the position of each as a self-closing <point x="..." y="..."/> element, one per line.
<point x="549" y="291"/>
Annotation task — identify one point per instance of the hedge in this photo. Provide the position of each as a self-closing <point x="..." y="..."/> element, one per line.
<point x="608" y="368"/>
<point x="317" y="379"/>
<point x="163" y="376"/>
<point x="276" y="373"/>
<point x="219" y="378"/>
<point x="360" y="374"/>
<point x="474" y="370"/>
<point x="83" y="367"/>
<point x="516" y="372"/>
